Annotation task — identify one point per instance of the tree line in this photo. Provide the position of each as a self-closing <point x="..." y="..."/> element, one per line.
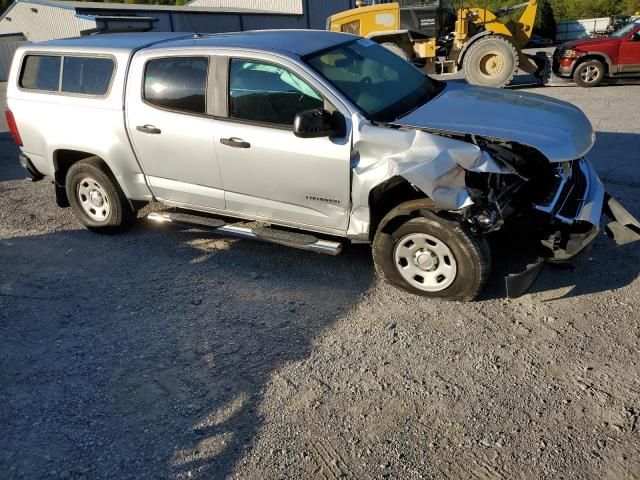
<point x="572" y="9"/>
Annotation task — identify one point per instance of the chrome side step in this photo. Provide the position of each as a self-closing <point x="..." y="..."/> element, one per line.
<point x="265" y="234"/>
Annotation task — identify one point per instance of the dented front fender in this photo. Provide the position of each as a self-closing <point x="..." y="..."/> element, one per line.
<point x="434" y="164"/>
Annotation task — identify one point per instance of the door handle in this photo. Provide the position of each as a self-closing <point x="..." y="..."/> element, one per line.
<point x="149" y="129"/>
<point x="235" y="142"/>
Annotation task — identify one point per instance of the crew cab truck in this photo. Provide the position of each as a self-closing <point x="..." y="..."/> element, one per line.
<point x="589" y="61"/>
<point x="318" y="134"/>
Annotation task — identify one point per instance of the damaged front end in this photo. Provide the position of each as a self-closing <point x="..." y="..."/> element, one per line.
<point x="560" y="204"/>
<point x="487" y="183"/>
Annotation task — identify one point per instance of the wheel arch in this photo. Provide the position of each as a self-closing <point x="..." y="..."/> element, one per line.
<point x="389" y="195"/>
<point x="63" y="159"/>
<point x="401" y="38"/>
<point x="600" y="56"/>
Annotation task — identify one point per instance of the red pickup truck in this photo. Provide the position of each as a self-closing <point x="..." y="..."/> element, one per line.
<point x="589" y="61"/>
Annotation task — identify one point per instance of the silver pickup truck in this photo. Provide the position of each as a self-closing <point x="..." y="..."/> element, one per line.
<point x="318" y="135"/>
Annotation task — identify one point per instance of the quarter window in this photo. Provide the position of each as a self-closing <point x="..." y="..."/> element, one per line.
<point x="80" y="75"/>
<point x="86" y="75"/>
<point x="266" y="93"/>
<point x="41" y="72"/>
<point x="178" y="83"/>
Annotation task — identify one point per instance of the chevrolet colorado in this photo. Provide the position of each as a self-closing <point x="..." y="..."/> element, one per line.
<point x="320" y="135"/>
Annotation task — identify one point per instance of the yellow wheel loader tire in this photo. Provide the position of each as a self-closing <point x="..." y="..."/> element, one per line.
<point x="491" y="61"/>
<point x="398" y="50"/>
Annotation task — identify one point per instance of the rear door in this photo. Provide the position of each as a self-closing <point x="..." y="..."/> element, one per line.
<point x="629" y="53"/>
<point x="268" y="172"/>
<point x="168" y="98"/>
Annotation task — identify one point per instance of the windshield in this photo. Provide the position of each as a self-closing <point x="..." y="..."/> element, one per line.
<point x="624" y="30"/>
<point x="380" y="83"/>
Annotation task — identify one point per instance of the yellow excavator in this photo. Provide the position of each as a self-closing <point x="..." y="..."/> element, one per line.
<point x="436" y="36"/>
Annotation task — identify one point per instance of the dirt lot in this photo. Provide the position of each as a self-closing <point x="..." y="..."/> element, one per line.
<point x="179" y="355"/>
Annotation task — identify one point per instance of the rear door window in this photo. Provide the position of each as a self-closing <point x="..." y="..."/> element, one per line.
<point x="86" y="75"/>
<point x="41" y="72"/>
<point x="177" y="83"/>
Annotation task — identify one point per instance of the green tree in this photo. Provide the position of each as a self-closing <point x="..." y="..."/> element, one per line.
<point x="631" y="7"/>
<point x="546" y="21"/>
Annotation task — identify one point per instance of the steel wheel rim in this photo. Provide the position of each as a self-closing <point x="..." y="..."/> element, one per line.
<point x="590" y="74"/>
<point x="425" y="262"/>
<point x="93" y="199"/>
<point x="491" y="64"/>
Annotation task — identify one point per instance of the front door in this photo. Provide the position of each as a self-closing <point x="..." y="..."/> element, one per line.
<point x="629" y="53"/>
<point x="171" y="132"/>
<point x="267" y="171"/>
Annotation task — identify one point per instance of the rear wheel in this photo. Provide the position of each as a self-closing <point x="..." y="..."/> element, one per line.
<point x="431" y="256"/>
<point x="398" y="50"/>
<point x="96" y="198"/>
<point x="491" y="61"/>
<point x="589" y="74"/>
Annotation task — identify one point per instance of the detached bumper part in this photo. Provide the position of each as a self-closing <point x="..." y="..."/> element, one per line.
<point x="625" y="228"/>
<point x="30" y="168"/>
<point x="519" y="283"/>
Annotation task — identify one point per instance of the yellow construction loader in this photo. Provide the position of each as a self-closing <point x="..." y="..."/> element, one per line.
<point x="442" y="39"/>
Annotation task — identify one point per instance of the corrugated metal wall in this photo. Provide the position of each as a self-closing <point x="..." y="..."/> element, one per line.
<point x="318" y="10"/>
<point x="278" y="6"/>
<point x="205" y="23"/>
<point x="8" y="46"/>
<point x="267" y="22"/>
<point x="42" y="22"/>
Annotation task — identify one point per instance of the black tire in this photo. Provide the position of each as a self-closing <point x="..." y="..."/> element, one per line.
<point x="491" y="61"/>
<point x="542" y="61"/>
<point x="472" y="255"/>
<point x="114" y="214"/>
<point x="397" y="49"/>
<point x="589" y="74"/>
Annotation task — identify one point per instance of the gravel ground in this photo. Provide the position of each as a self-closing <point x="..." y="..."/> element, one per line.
<point x="162" y="354"/>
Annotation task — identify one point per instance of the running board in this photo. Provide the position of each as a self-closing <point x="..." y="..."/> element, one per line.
<point x="281" y="237"/>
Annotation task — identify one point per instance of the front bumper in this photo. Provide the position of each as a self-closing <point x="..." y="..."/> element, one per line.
<point x="563" y="71"/>
<point x="562" y="67"/>
<point x="575" y="213"/>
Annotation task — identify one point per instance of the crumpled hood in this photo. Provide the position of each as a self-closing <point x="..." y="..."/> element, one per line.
<point x="559" y="130"/>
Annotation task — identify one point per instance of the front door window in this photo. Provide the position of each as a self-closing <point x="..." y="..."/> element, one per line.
<point x="266" y="93"/>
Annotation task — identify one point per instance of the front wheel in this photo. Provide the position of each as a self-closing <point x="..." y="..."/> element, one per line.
<point x="589" y="74"/>
<point x="432" y="257"/>
<point x="96" y="198"/>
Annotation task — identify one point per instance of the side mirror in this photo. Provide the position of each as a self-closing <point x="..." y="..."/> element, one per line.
<point x="318" y="123"/>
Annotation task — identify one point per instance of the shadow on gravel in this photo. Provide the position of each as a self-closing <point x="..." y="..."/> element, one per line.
<point x="604" y="267"/>
<point x="147" y="355"/>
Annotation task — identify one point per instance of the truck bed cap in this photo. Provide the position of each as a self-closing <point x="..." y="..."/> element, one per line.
<point x="296" y="42"/>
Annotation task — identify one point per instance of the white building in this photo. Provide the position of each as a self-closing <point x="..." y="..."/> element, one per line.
<point x="276" y="6"/>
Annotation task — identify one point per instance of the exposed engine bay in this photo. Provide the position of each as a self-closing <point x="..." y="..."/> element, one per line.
<point x="547" y="199"/>
<point x="487" y="183"/>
